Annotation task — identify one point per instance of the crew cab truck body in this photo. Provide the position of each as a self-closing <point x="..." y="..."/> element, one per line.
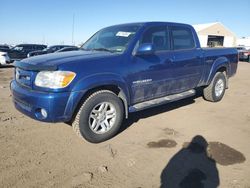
<point x="121" y="69"/>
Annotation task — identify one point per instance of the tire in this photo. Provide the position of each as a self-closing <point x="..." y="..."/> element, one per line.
<point x="212" y="94"/>
<point x="92" y="122"/>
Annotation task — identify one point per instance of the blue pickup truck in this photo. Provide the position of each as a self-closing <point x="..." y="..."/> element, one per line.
<point x="120" y="69"/>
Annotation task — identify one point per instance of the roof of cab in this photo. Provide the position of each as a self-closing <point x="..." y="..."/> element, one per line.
<point x="152" y="23"/>
<point x="31" y="45"/>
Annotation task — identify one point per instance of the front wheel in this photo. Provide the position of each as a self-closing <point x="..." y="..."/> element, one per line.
<point x="215" y="91"/>
<point x="100" y="117"/>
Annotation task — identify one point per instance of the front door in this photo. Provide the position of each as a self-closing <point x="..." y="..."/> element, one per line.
<point x="151" y="75"/>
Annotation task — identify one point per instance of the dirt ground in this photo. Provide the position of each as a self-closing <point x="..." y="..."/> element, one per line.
<point x="190" y="143"/>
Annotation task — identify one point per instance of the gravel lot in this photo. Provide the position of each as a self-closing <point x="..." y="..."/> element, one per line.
<point x="190" y="143"/>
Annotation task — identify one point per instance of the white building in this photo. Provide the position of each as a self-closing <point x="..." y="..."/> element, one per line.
<point x="214" y="35"/>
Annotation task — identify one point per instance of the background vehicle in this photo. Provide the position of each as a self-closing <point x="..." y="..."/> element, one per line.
<point x="121" y="69"/>
<point x="247" y="47"/>
<point x="240" y="48"/>
<point x="4" y="48"/>
<point x="4" y="58"/>
<point x="20" y="51"/>
<point x="67" y="49"/>
<point x="50" y="49"/>
<point x="244" y="54"/>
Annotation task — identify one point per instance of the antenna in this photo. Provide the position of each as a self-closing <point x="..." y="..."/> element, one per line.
<point x="73" y="28"/>
<point x="43" y="40"/>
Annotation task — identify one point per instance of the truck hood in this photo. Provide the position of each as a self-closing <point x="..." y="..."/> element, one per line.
<point x="54" y="60"/>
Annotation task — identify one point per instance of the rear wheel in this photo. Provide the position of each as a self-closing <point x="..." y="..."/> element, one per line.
<point x="215" y="91"/>
<point x="100" y="117"/>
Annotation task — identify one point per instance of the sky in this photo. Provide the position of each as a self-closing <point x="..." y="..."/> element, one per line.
<point x="51" y="21"/>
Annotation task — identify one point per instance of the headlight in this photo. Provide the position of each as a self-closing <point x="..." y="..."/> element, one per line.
<point x="54" y="79"/>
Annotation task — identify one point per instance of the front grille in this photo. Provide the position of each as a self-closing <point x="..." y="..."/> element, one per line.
<point x="23" y="77"/>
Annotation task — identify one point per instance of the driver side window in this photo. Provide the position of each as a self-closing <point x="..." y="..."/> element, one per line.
<point x="158" y="36"/>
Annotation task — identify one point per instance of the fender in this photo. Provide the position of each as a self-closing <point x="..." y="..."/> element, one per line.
<point x="93" y="81"/>
<point x="221" y="62"/>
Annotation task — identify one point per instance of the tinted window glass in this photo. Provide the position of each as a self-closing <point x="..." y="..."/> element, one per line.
<point x="182" y="38"/>
<point x="241" y="48"/>
<point x="60" y="47"/>
<point x="28" y="47"/>
<point x="39" y="47"/>
<point x="18" y="48"/>
<point x="53" y="49"/>
<point x="157" y="36"/>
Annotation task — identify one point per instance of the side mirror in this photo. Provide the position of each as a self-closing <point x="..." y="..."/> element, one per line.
<point x="145" y="49"/>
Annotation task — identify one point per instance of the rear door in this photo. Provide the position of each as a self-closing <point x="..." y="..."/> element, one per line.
<point x="187" y="59"/>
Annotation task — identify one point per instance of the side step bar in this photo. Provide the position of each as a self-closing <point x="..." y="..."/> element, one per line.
<point x="162" y="100"/>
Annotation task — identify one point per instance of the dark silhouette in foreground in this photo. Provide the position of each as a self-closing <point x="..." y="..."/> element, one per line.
<point x="191" y="168"/>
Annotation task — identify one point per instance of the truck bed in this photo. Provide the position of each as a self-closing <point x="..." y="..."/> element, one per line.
<point x="213" y="56"/>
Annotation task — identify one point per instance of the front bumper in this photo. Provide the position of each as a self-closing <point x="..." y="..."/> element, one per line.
<point x="30" y="103"/>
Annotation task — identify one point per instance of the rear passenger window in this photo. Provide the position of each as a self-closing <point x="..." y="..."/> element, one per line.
<point x="157" y="36"/>
<point x="27" y="48"/>
<point x="182" y="38"/>
<point x="40" y="47"/>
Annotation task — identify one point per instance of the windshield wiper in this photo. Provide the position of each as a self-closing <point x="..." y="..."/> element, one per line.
<point x="84" y="49"/>
<point x="103" y="49"/>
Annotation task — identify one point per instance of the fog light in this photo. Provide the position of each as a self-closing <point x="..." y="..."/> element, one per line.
<point x="44" y="113"/>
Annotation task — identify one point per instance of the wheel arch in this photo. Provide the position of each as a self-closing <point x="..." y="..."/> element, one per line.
<point x="88" y="86"/>
<point x="220" y="65"/>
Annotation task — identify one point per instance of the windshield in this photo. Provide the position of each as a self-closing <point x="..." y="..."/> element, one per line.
<point x="112" y="39"/>
<point x="47" y="49"/>
<point x="18" y="48"/>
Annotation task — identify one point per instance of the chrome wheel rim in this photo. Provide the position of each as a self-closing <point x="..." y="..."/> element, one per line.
<point x="102" y="117"/>
<point x="219" y="87"/>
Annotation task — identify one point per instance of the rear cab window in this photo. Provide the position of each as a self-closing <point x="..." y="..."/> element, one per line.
<point x="182" y="38"/>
